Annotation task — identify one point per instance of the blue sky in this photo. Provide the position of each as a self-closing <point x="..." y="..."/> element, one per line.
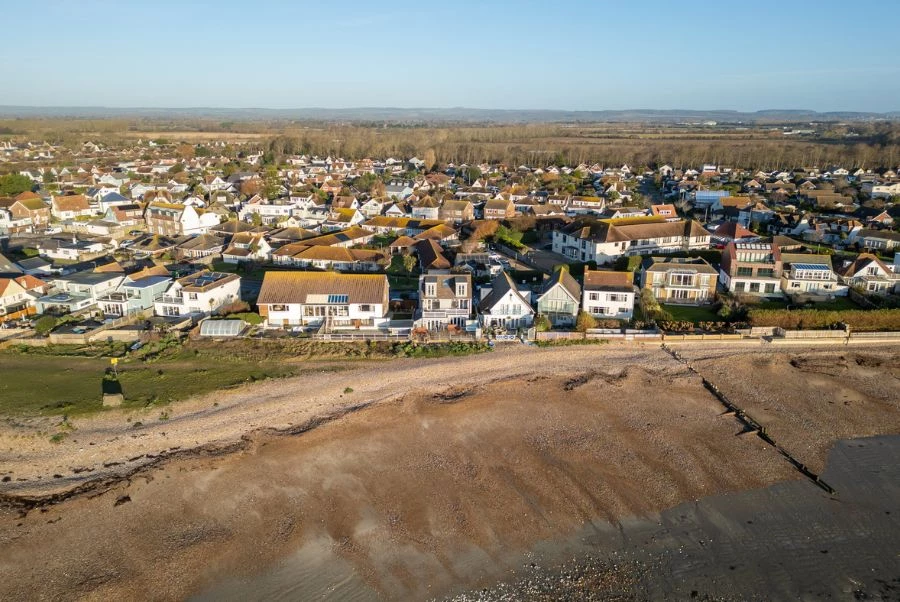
<point x="577" y="55"/>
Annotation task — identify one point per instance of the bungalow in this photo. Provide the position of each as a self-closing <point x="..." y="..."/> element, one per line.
<point x="201" y="246"/>
<point x="200" y="293"/>
<point x="70" y="249"/>
<point x="608" y="295"/>
<point x="686" y="281"/>
<point x="669" y="212"/>
<point x="504" y="306"/>
<point x="445" y="298"/>
<point x="878" y="239"/>
<point x="343" y="218"/>
<point x="70" y="206"/>
<point x="559" y="297"/>
<point x="333" y="258"/>
<point x="311" y="299"/>
<point x="247" y="247"/>
<point x="400" y="225"/>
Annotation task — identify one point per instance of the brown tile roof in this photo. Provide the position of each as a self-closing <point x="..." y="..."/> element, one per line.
<point x="608" y="281"/>
<point x="72" y="202"/>
<point x="299" y="287"/>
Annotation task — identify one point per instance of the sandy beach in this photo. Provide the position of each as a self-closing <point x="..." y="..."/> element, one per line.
<point x="411" y="479"/>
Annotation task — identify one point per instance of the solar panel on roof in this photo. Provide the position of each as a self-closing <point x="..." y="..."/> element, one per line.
<point x="811" y="266"/>
<point x="338" y="298"/>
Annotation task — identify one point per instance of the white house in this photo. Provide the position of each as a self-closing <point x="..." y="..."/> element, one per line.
<point x="200" y="293"/>
<point x="504" y="306"/>
<point x="608" y="295"/>
<point x="332" y="300"/>
<point x="603" y="241"/>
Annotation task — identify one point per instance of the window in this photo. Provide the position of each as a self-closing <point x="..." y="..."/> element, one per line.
<point x="460" y="290"/>
<point x="615" y="298"/>
<point x="679" y="294"/>
<point x="365" y="307"/>
<point x="754" y="287"/>
<point x="593" y="296"/>
<point x="745" y="271"/>
<point x="765" y="273"/>
<point x="681" y="279"/>
<point x="430" y="290"/>
<point x="770" y="288"/>
<point x="278" y="307"/>
<point x="192" y="296"/>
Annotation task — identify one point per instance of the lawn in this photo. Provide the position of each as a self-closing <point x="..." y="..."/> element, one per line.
<point x="837" y="304"/>
<point x="54" y="384"/>
<point x="690" y="313"/>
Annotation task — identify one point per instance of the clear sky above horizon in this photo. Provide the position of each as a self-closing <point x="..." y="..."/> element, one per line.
<point x="577" y="55"/>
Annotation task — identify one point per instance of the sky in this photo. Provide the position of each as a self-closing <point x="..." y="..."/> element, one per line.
<point x="568" y="55"/>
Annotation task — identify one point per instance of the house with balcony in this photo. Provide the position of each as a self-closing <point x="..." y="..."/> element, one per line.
<point x="18" y="296"/>
<point x="175" y="219"/>
<point x="201" y="293"/>
<point x="136" y="293"/>
<point x="445" y="298"/>
<point x="603" y="241"/>
<point x="324" y="299"/>
<point x="559" y="297"/>
<point x="682" y="280"/>
<point x="78" y="291"/>
<point x="752" y="268"/>
<point x="870" y="274"/>
<point x="808" y="274"/>
<point x="608" y="295"/>
<point x="504" y="306"/>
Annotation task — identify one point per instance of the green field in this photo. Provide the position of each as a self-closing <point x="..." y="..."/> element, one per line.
<point x="49" y="384"/>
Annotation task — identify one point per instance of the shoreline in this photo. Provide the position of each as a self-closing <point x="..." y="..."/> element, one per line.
<point x="106" y="449"/>
<point x="433" y="482"/>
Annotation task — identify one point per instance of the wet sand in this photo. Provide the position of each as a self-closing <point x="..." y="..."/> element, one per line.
<point x="441" y="487"/>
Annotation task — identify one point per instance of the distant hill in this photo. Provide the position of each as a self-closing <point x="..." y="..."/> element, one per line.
<point x="456" y="114"/>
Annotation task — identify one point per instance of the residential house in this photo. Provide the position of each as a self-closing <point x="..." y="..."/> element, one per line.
<point x="337" y="258"/>
<point x="70" y="249"/>
<point x="136" y="293"/>
<point x="870" y="274"/>
<point x="246" y="247"/>
<point x="602" y="241"/>
<point x="559" y="297"/>
<point x="499" y="209"/>
<point x="608" y="295"/>
<point x="18" y="296"/>
<point x="201" y="246"/>
<point x="313" y="299"/>
<point x="504" y="306"/>
<point x="753" y="268"/>
<point x="669" y="212"/>
<point x="175" y="219"/>
<point x="28" y="205"/>
<point x="686" y="281"/>
<point x="882" y="240"/>
<point x="457" y="211"/>
<point x="201" y="293"/>
<point x="808" y="274"/>
<point x="426" y="208"/>
<point x="78" y="291"/>
<point x="70" y="206"/>
<point x="445" y="298"/>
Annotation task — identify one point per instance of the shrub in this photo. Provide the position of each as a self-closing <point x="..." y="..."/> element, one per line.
<point x="585" y="321"/>
<point x="542" y="323"/>
<point x="857" y="319"/>
<point x="45" y="324"/>
<point x="348" y="390"/>
<point x="254" y="319"/>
